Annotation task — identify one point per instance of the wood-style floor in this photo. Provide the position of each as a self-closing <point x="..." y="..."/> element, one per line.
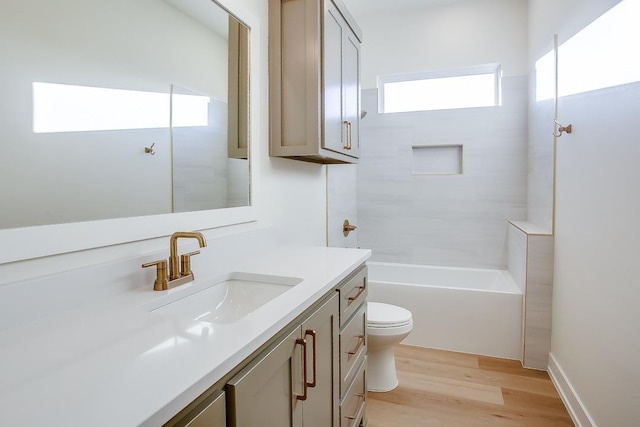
<point x="443" y="388"/>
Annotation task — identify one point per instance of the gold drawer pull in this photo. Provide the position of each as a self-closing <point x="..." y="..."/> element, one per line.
<point x="303" y="343"/>
<point x="347" y="145"/>
<point x="315" y="356"/>
<point x="361" y="340"/>
<point x="360" y="291"/>
<point x="353" y="417"/>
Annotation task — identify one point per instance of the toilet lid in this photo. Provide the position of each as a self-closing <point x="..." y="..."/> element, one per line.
<point x="386" y="315"/>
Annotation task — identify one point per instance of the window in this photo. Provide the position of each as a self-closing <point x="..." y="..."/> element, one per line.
<point x="602" y="55"/>
<point x="461" y="88"/>
<point x="546" y="76"/>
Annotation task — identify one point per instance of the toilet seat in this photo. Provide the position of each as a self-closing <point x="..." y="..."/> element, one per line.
<point x="382" y="316"/>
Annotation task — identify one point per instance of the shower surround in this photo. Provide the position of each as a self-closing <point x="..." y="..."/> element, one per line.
<point x="448" y="220"/>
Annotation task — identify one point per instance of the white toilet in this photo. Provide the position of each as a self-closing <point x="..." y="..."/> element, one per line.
<point x="387" y="325"/>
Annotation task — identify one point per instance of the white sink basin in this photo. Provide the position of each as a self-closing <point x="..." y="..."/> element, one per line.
<point x="224" y="301"/>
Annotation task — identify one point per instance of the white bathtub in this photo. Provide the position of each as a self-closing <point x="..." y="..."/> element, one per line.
<point x="460" y="309"/>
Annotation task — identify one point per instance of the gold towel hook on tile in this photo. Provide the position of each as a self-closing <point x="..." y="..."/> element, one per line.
<point x="558" y="133"/>
<point x="149" y="150"/>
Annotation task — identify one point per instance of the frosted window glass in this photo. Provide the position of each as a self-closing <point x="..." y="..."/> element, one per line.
<point x="468" y="87"/>
<point x="546" y="77"/>
<point x="603" y="54"/>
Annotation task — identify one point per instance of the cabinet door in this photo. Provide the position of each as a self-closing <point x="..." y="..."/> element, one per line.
<point x="265" y="392"/>
<point x="276" y="390"/>
<point x="334" y="128"/>
<point x="212" y="415"/>
<point x="351" y="91"/>
<point x="321" y="332"/>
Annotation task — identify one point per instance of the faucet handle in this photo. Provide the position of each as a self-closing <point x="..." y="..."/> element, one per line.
<point x="185" y="263"/>
<point x="161" y="283"/>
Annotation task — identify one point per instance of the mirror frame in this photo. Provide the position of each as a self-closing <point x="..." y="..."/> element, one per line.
<point x="39" y="241"/>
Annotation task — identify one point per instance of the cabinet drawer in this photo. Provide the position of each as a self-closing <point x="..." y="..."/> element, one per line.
<point x="353" y="404"/>
<point x="352" y="294"/>
<point x="353" y="347"/>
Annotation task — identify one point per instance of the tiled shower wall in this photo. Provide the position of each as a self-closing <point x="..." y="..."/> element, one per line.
<point x="203" y="174"/>
<point x="453" y="220"/>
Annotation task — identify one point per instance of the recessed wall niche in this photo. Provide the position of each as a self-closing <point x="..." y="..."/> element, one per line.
<point x="436" y="160"/>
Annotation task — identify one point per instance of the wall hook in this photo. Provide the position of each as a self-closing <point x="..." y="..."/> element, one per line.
<point x="149" y="150"/>
<point x="558" y="133"/>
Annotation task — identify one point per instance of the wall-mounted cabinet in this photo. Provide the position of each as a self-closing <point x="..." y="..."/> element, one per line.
<point x="238" y="114"/>
<point x="314" y="60"/>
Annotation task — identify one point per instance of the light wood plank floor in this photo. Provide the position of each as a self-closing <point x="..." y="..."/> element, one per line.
<point x="443" y="388"/>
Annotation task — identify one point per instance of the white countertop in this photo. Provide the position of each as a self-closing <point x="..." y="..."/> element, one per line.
<point x="113" y="363"/>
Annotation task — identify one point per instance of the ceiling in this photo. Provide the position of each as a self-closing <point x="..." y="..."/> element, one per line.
<point x="363" y="7"/>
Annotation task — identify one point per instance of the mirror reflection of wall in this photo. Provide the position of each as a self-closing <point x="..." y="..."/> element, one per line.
<point x="204" y="176"/>
<point x="86" y="87"/>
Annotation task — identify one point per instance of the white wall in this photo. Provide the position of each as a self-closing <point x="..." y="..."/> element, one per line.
<point x="454" y="34"/>
<point x="289" y="195"/>
<point x="595" y="340"/>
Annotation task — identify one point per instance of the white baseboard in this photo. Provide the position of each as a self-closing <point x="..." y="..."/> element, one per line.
<point x="577" y="411"/>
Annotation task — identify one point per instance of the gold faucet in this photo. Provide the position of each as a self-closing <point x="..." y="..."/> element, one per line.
<point x="178" y="273"/>
<point x="174" y="273"/>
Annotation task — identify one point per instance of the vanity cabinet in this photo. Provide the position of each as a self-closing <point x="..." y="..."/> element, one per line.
<point x="294" y="382"/>
<point x="353" y="349"/>
<point x="208" y="410"/>
<point x="311" y="374"/>
<point x="314" y="50"/>
<point x="212" y="412"/>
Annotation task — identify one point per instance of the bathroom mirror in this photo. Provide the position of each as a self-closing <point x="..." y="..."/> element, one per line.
<point x="120" y="109"/>
<point x="35" y="48"/>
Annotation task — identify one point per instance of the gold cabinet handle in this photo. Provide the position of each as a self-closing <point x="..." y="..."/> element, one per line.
<point x="303" y="343"/>
<point x="312" y="333"/>
<point x="161" y="282"/>
<point x="361" y="341"/>
<point x="362" y="399"/>
<point x="347" y="146"/>
<point x="353" y="298"/>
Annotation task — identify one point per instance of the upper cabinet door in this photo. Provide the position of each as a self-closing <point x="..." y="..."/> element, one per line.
<point x="341" y="72"/>
<point x="314" y="74"/>
<point x="351" y="91"/>
<point x="334" y="128"/>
